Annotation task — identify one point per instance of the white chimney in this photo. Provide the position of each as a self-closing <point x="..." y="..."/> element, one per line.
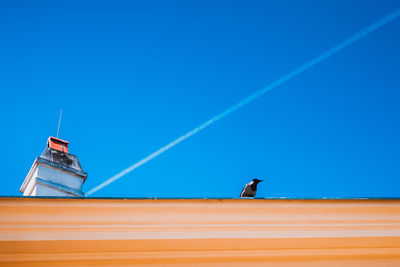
<point x="55" y="173"/>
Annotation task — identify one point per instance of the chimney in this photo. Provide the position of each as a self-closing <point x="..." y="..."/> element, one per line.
<point x="58" y="144"/>
<point x="55" y="172"/>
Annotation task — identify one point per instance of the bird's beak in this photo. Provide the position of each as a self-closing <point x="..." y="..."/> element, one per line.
<point x="261" y="180"/>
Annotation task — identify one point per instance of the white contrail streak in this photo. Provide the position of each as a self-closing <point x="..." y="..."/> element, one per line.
<point x="367" y="30"/>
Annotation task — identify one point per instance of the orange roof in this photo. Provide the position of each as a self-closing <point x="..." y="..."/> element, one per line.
<point x="58" y="144"/>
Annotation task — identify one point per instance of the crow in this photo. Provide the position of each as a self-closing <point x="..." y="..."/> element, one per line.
<point x="250" y="189"/>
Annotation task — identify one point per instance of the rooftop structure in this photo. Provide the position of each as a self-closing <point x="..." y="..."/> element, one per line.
<point x="55" y="172"/>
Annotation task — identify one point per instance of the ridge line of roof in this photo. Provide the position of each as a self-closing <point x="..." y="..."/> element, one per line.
<point x="209" y="198"/>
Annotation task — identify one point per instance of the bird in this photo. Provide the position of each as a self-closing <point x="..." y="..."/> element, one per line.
<point x="250" y="189"/>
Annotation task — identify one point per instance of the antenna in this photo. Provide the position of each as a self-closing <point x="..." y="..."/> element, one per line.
<point x="59" y="122"/>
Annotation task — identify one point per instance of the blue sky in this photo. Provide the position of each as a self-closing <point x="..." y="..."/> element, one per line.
<point x="133" y="76"/>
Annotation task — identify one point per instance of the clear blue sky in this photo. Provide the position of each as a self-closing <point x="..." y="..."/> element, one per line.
<point x="132" y="76"/>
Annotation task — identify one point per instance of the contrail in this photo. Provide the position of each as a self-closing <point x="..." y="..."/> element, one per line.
<point x="367" y="30"/>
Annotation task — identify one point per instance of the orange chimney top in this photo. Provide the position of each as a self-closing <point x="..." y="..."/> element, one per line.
<point x="57" y="144"/>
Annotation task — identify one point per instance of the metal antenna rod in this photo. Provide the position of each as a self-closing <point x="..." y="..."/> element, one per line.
<point x="59" y="122"/>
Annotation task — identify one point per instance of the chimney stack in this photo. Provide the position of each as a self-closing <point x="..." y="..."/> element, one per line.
<point x="55" y="172"/>
<point x="58" y="144"/>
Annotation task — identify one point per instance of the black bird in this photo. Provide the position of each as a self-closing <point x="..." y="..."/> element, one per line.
<point x="250" y="189"/>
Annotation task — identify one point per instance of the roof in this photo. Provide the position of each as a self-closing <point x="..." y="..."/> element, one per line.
<point x="183" y="232"/>
<point x="62" y="160"/>
<point x="58" y="144"/>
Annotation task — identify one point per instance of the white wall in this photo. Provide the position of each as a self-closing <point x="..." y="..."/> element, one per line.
<point x="59" y="177"/>
<point x="42" y="190"/>
<point x="56" y="177"/>
<point x="32" y="182"/>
